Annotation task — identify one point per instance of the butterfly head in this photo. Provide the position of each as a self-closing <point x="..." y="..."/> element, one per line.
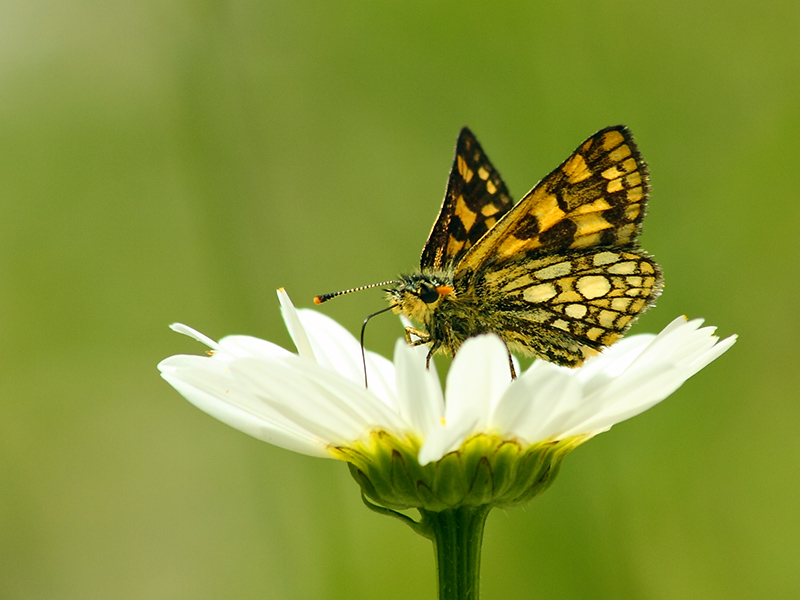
<point x="417" y="296"/>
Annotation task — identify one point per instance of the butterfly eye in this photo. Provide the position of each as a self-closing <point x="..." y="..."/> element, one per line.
<point x="427" y="293"/>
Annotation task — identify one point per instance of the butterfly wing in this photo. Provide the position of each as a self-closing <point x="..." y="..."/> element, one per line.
<point x="596" y="198"/>
<point x="564" y="307"/>
<point x="561" y="274"/>
<point x="476" y="198"/>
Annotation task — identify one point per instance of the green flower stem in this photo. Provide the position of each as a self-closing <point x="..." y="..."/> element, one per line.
<point x="457" y="535"/>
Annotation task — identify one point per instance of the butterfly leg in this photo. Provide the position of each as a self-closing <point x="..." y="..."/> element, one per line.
<point x="422" y="337"/>
<point x="428" y="359"/>
<point x="511" y="363"/>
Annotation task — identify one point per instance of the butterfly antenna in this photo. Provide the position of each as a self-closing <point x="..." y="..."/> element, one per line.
<point x="363" y="330"/>
<point x="326" y="297"/>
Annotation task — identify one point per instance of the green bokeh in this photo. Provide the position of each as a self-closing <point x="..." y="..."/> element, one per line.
<point x="176" y="161"/>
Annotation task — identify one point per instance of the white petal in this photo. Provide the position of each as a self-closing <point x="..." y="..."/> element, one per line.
<point x="477" y="379"/>
<point x="193" y="333"/>
<point x="673" y="342"/>
<point x="319" y="400"/>
<point x="714" y="353"/>
<point x="514" y="401"/>
<point x="419" y="393"/>
<point x="336" y="349"/>
<point x="177" y="362"/>
<point x="220" y="397"/>
<point x="445" y="438"/>
<point x="625" y="397"/>
<point x="294" y="326"/>
<point x="384" y="372"/>
<point x="615" y="359"/>
<point x="539" y="403"/>
<point x="673" y="356"/>
<point x="245" y="346"/>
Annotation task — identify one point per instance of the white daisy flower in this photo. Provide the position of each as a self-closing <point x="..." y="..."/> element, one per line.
<point x="485" y="440"/>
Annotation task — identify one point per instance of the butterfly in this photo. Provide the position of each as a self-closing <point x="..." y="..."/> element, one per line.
<point x="559" y="275"/>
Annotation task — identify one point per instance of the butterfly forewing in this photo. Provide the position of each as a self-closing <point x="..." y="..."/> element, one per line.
<point x="476" y="199"/>
<point x="596" y="198"/>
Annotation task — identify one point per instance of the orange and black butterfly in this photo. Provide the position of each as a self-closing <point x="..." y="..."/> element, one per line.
<point x="559" y="275"/>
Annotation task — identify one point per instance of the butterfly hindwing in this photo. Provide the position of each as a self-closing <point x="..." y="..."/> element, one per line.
<point x="595" y="198"/>
<point x="475" y="199"/>
<point x="564" y="307"/>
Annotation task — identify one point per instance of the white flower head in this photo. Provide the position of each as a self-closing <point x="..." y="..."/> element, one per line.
<point x="315" y="402"/>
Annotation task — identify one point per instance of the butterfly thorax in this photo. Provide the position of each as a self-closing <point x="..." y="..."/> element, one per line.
<point x="430" y="297"/>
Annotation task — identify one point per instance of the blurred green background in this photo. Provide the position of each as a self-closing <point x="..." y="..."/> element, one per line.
<point x="178" y="161"/>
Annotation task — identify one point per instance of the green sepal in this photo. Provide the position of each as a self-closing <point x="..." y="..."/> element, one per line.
<point x="486" y="470"/>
